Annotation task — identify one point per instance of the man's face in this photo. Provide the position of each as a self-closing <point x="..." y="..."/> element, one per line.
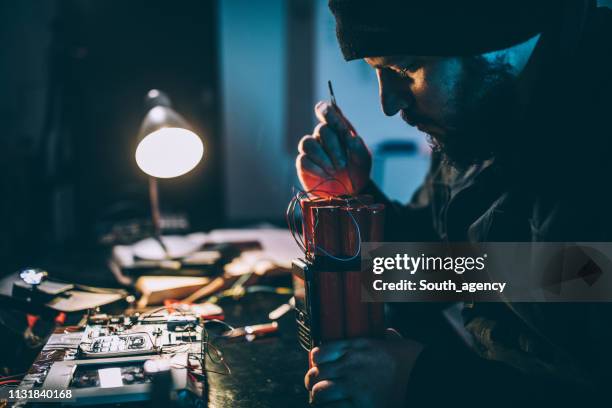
<point x="458" y="102"/>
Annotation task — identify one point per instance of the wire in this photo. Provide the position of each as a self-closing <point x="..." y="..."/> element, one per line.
<point x="300" y="238"/>
<point x="205" y="351"/>
<point x="221" y="322"/>
<point x="175" y="348"/>
<point x="293" y="204"/>
<point x="298" y="198"/>
<point x="10" y="377"/>
<point x="152" y="312"/>
<point x="357" y="252"/>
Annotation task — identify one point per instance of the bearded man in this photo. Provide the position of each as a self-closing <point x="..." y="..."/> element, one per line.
<point x="515" y="98"/>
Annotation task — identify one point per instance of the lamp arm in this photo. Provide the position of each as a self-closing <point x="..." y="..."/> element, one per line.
<point x="155" y="213"/>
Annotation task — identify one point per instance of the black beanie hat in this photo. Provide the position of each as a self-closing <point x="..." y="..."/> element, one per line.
<point x="369" y="28"/>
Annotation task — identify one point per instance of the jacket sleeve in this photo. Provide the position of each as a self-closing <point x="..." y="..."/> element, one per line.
<point x="417" y="220"/>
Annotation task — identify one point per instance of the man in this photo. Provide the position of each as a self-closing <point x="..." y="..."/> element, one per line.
<point x="515" y="98"/>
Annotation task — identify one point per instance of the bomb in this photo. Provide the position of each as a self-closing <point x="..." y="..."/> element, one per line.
<point x="327" y="282"/>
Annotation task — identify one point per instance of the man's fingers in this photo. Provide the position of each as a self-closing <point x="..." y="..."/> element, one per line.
<point x="313" y="150"/>
<point x="327" y="391"/>
<point x="305" y="165"/>
<point x="331" y="144"/>
<point x="310" y="175"/>
<point x="310" y="379"/>
<point x="327" y="371"/>
<point x="360" y="155"/>
<point x="326" y="113"/>
<point x="328" y="353"/>
<point x="336" y="349"/>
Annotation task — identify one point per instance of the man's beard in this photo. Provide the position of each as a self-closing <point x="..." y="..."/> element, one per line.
<point x="487" y="111"/>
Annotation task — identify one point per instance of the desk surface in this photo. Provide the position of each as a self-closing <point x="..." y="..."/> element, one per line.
<point x="267" y="372"/>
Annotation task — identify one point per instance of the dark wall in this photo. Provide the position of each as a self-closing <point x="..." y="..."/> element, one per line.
<point x="102" y="58"/>
<point x="25" y="37"/>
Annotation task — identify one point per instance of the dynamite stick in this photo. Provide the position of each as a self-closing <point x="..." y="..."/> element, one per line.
<point x="377" y="310"/>
<point x="329" y="282"/>
<point x="354" y="229"/>
<point x="377" y="222"/>
<point x="306" y="206"/>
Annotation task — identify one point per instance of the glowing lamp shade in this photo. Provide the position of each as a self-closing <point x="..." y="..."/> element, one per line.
<point x="167" y="146"/>
<point x="169" y="152"/>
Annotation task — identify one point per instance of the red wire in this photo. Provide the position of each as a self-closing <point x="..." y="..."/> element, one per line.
<point x="9" y="382"/>
<point x="10" y="377"/>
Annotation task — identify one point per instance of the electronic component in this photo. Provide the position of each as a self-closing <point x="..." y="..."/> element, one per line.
<point x="118" y="346"/>
<point x="98" y="318"/>
<point x="321" y="318"/>
<point x="87" y="376"/>
<point x="181" y="322"/>
<point x="115" y="380"/>
<point x="138" y="334"/>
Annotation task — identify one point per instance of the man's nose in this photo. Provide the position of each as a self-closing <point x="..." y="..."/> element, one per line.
<point x="394" y="92"/>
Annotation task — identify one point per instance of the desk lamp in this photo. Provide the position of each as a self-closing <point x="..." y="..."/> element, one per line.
<point x="167" y="148"/>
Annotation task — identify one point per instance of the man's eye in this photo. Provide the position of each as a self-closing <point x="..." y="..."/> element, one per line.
<point x="405" y="72"/>
<point x="409" y="70"/>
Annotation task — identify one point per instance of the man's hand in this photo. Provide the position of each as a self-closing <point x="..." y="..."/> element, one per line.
<point x="333" y="159"/>
<point x="362" y="372"/>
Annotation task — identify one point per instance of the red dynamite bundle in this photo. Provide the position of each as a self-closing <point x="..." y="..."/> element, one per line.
<point x="328" y="281"/>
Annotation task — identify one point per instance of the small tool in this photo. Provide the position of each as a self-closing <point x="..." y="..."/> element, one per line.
<point x="282" y="310"/>
<point x="348" y="125"/>
<point x="337" y="108"/>
<point x="251" y="332"/>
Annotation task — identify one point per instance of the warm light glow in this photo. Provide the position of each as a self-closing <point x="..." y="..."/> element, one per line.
<point x="169" y="152"/>
<point x="153" y="93"/>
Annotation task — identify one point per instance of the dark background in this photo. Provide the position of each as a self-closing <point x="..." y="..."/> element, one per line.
<point x="69" y="129"/>
<point x="245" y="74"/>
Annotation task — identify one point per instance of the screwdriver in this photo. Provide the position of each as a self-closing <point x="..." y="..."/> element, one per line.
<point x="347" y="124"/>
